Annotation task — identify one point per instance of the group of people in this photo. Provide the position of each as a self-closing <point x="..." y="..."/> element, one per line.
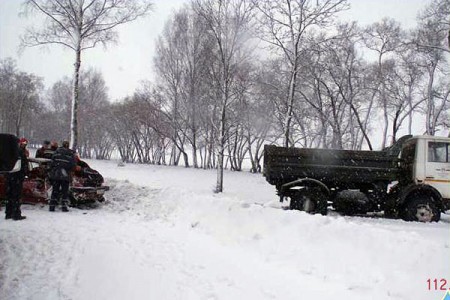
<point x="63" y="162"/>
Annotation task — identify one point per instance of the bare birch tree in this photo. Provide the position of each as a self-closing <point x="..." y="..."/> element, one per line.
<point x="430" y="40"/>
<point x="181" y="61"/>
<point x="169" y="68"/>
<point x="437" y="13"/>
<point x="195" y="47"/>
<point x="19" y="98"/>
<point x="285" y="25"/>
<point x="385" y="38"/>
<point x="93" y="114"/>
<point x="227" y="22"/>
<point x="94" y="111"/>
<point x="344" y="69"/>
<point x="80" y="25"/>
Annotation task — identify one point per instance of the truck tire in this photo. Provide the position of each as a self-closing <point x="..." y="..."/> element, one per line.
<point x="311" y="201"/>
<point x="421" y="208"/>
<point x="296" y="203"/>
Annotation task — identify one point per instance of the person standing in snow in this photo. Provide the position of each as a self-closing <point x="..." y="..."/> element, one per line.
<point x="15" y="185"/>
<point x="63" y="163"/>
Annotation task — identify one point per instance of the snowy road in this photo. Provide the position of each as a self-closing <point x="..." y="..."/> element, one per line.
<point x="164" y="235"/>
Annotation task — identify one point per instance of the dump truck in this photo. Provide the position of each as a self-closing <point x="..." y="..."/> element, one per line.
<point x="409" y="180"/>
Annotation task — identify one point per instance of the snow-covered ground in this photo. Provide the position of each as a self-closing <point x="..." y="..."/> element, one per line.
<point x="163" y="234"/>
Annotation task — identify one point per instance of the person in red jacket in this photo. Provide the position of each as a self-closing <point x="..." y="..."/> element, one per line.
<point x="23" y="142"/>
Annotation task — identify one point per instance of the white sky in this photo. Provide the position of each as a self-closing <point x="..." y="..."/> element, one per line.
<point x="124" y="65"/>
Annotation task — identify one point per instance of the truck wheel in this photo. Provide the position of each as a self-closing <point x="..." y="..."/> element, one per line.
<point x="322" y="204"/>
<point x="310" y="201"/>
<point x="390" y="213"/>
<point x="421" y="208"/>
<point x="296" y="203"/>
<point x="303" y="201"/>
<point x="390" y="208"/>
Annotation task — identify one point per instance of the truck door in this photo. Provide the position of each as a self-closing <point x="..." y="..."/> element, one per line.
<point x="437" y="167"/>
<point x="408" y="165"/>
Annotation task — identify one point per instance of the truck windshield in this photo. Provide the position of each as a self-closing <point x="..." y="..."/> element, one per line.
<point x="438" y="152"/>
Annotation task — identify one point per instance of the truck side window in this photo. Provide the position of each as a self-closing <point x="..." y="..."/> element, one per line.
<point x="438" y="152"/>
<point x="408" y="155"/>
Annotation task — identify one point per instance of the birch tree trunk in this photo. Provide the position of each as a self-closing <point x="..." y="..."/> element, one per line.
<point x="430" y="130"/>
<point x="75" y="97"/>
<point x="221" y="149"/>
<point x="290" y="103"/>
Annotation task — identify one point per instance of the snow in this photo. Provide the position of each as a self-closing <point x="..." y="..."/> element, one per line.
<point x="164" y="234"/>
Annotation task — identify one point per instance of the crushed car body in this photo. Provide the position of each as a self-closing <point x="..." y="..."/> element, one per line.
<point x="87" y="185"/>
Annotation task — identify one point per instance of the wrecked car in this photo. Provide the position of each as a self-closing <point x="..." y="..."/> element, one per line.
<point x="87" y="185"/>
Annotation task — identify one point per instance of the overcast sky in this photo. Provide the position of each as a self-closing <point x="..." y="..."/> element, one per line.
<point x="124" y="65"/>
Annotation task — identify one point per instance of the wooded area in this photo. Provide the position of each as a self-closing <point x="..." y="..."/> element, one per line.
<point x="234" y="75"/>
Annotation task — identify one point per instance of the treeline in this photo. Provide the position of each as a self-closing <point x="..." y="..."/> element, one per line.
<point x="234" y="75"/>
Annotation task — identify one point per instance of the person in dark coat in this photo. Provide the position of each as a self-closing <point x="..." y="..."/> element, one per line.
<point x="63" y="163"/>
<point x="48" y="153"/>
<point x="15" y="186"/>
<point x="41" y="151"/>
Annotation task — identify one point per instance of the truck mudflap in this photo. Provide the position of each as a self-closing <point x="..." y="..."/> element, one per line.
<point x="446" y="204"/>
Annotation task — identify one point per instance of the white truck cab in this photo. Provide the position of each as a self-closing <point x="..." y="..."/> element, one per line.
<point x="426" y="164"/>
<point x="432" y="162"/>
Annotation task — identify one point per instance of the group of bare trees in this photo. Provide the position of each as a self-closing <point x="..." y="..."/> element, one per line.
<point x="19" y="98"/>
<point x="233" y="75"/>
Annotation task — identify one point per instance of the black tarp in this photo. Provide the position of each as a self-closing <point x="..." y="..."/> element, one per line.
<point x="9" y="151"/>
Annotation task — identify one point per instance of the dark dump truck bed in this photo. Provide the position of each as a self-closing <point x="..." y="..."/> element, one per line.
<point x="332" y="167"/>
